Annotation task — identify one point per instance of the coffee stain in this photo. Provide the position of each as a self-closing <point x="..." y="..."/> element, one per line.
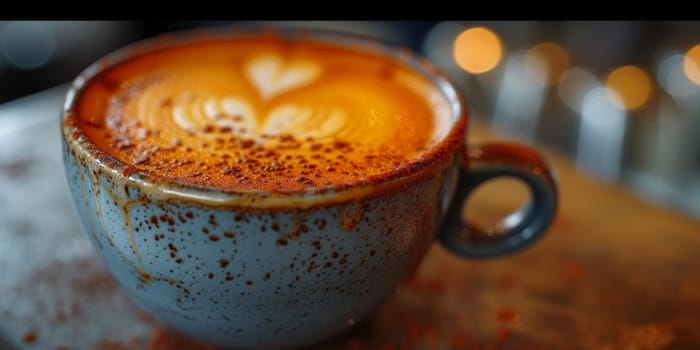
<point x="164" y="339"/>
<point x="125" y="211"/>
<point x="17" y="168"/>
<point x="86" y="202"/>
<point x="97" y="187"/>
<point x="653" y="336"/>
<point x="124" y="204"/>
<point x="299" y="226"/>
<point x="30" y="337"/>
<point x="506" y="315"/>
<point x="350" y="215"/>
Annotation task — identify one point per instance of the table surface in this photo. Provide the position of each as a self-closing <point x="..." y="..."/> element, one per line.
<point x="612" y="273"/>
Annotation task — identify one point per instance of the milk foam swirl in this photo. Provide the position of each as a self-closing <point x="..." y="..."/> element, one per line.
<point x="316" y="112"/>
<point x="266" y="115"/>
<point x="235" y="113"/>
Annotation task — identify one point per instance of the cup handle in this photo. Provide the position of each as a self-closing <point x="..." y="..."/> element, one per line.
<point x="521" y="228"/>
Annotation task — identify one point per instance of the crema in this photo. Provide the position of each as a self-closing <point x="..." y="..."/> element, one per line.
<point x="263" y="114"/>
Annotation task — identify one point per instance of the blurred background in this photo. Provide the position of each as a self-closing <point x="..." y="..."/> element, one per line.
<point x="620" y="98"/>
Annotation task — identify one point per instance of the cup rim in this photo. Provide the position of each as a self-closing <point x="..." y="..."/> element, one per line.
<point x="409" y="172"/>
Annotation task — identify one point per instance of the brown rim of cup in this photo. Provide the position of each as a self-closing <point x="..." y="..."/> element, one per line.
<point x="397" y="179"/>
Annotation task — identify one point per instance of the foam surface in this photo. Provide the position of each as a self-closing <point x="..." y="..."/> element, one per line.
<point x="263" y="114"/>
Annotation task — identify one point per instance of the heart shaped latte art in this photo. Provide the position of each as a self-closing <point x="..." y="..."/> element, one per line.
<point x="272" y="76"/>
<point x="271" y="97"/>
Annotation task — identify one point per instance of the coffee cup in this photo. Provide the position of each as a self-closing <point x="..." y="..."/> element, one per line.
<point x="269" y="188"/>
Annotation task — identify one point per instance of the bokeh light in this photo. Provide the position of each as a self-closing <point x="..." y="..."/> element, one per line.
<point x="691" y="64"/>
<point x="555" y="58"/>
<point x="477" y="50"/>
<point x="601" y="134"/>
<point x="671" y="77"/>
<point x="27" y="44"/>
<point x="575" y="83"/>
<point x="441" y="39"/>
<point x="520" y="96"/>
<point x="632" y="84"/>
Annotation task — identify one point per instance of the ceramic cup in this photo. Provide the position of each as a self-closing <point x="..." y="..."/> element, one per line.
<point x="255" y="270"/>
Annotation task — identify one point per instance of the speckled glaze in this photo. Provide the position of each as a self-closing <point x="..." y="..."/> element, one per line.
<point x="249" y="278"/>
<point x="254" y="269"/>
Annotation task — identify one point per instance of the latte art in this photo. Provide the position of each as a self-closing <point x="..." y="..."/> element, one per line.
<point x="272" y="76"/>
<point x="263" y="115"/>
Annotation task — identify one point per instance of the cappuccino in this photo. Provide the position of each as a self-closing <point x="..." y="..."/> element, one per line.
<point x="270" y="189"/>
<point x="263" y="114"/>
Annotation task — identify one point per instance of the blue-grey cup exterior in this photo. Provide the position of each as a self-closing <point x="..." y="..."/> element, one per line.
<point x="255" y="277"/>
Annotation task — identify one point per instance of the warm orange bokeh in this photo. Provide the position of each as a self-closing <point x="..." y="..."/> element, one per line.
<point x="691" y="64"/>
<point x="478" y="50"/>
<point x="554" y="57"/>
<point x="632" y="85"/>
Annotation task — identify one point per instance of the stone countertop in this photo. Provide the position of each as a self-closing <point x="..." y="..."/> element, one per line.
<point x="613" y="272"/>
